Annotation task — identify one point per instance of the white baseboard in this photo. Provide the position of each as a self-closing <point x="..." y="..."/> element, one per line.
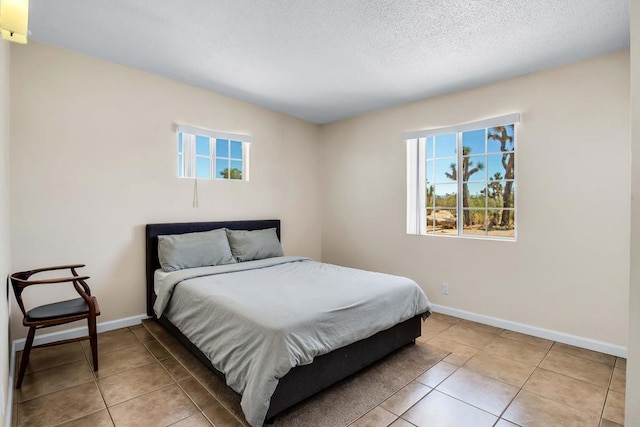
<point x="588" y="343"/>
<point x="80" y="331"/>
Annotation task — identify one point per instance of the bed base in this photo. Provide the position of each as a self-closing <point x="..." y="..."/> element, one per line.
<point x="304" y="381"/>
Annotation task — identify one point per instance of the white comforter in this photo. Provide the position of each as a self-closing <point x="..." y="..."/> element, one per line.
<point x="256" y="320"/>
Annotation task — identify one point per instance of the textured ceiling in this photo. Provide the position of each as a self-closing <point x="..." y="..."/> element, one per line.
<point x="326" y="60"/>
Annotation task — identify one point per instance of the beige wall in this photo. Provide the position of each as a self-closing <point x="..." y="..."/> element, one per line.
<point x="633" y="362"/>
<point x="569" y="269"/>
<point x="5" y="235"/>
<point x="93" y="159"/>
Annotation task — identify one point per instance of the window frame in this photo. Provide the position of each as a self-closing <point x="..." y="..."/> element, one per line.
<point x="229" y="158"/>
<point x="417" y="208"/>
<point x="213" y="137"/>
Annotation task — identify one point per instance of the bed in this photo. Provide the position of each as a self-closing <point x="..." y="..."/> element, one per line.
<point x="319" y="366"/>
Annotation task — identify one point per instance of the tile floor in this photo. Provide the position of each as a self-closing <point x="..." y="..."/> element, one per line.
<point x="492" y="377"/>
<point x="495" y="377"/>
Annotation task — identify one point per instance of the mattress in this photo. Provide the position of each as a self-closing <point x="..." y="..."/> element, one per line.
<point x="158" y="277"/>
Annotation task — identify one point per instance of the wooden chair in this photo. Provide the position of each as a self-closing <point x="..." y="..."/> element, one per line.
<point x="58" y="313"/>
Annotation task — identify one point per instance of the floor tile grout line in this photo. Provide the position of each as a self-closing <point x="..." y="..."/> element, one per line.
<point x="526" y="381"/>
<point x="195" y="404"/>
<point x="401" y="388"/>
<point x="351" y="423"/>
<point x="505" y="408"/>
<point x="67" y="388"/>
<point x="456" y="370"/>
<point x="582" y="357"/>
<point x="96" y="379"/>
<point x="140" y="395"/>
<point x="419" y="400"/>
<point x="26" y="375"/>
<point x="144" y="393"/>
<point x="575" y="378"/>
<point x="80" y="417"/>
<point x="125" y="370"/>
<point x="90" y="358"/>
<point x="19" y="359"/>
<point x="406" y="421"/>
<point x="613" y="371"/>
<point x="415" y="379"/>
<point x="466" y="403"/>
<point x="520" y="389"/>
<point x="604" y="405"/>
<point x="537" y="366"/>
<point x="17" y="403"/>
<point x="211" y="394"/>
<point x="56" y="391"/>
<point x="522" y="342"/>
<point x="544" y="357"/>
<point x="441" y="332"/>
<point x="105" y="354"/>
<point x="198" y="381"/>
<point x="95" y="374"/>
<point x="156" y="360"/>
<point x="55" y="367"/>
<point x="432" y="388"/>
<point x="465" y="344"/>
<point x="557" y="401"/>
<point x="188" y="416"/>
<point x="510" y="402"/>
<point x="445" y="378"/>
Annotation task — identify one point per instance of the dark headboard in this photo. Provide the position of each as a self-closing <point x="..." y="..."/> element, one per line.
<point x="155" y="230"/>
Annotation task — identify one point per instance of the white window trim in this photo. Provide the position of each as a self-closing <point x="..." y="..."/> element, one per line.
<point x="214" y="133"/>
<point x="487" y="123"/>
<point x="416" y="198"/>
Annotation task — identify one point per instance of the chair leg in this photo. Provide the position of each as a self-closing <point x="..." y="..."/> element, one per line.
<point x="93" y="339"/>
<point x="25" y="355"/>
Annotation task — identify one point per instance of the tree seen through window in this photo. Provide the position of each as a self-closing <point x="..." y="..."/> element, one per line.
<point x="486" y="182"/>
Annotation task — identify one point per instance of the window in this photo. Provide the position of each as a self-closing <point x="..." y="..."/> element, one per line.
<point x="462" y="179"/>
<point x="206" y="154"/>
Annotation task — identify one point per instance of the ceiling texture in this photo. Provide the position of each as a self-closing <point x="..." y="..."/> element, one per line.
<point x="327" y="60"/>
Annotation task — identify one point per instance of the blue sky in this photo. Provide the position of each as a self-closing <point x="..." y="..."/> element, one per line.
<point x="228" y="154"/>
<point x="441" y="152"/>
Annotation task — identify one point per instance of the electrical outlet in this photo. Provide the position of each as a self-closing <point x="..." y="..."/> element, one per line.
<point x="445" y="288"/>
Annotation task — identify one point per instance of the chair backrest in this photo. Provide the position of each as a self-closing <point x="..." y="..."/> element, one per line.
<point x="20" y="280"/>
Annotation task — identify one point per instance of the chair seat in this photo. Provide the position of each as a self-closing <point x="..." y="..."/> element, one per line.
<point x="72" y="307"/>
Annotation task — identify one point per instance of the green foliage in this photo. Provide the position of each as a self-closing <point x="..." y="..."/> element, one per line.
<point x="499" y="133"/>
<point x="476" y="218"/>
<point x="235" y="173"/>
<point x="468" y="170"/>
